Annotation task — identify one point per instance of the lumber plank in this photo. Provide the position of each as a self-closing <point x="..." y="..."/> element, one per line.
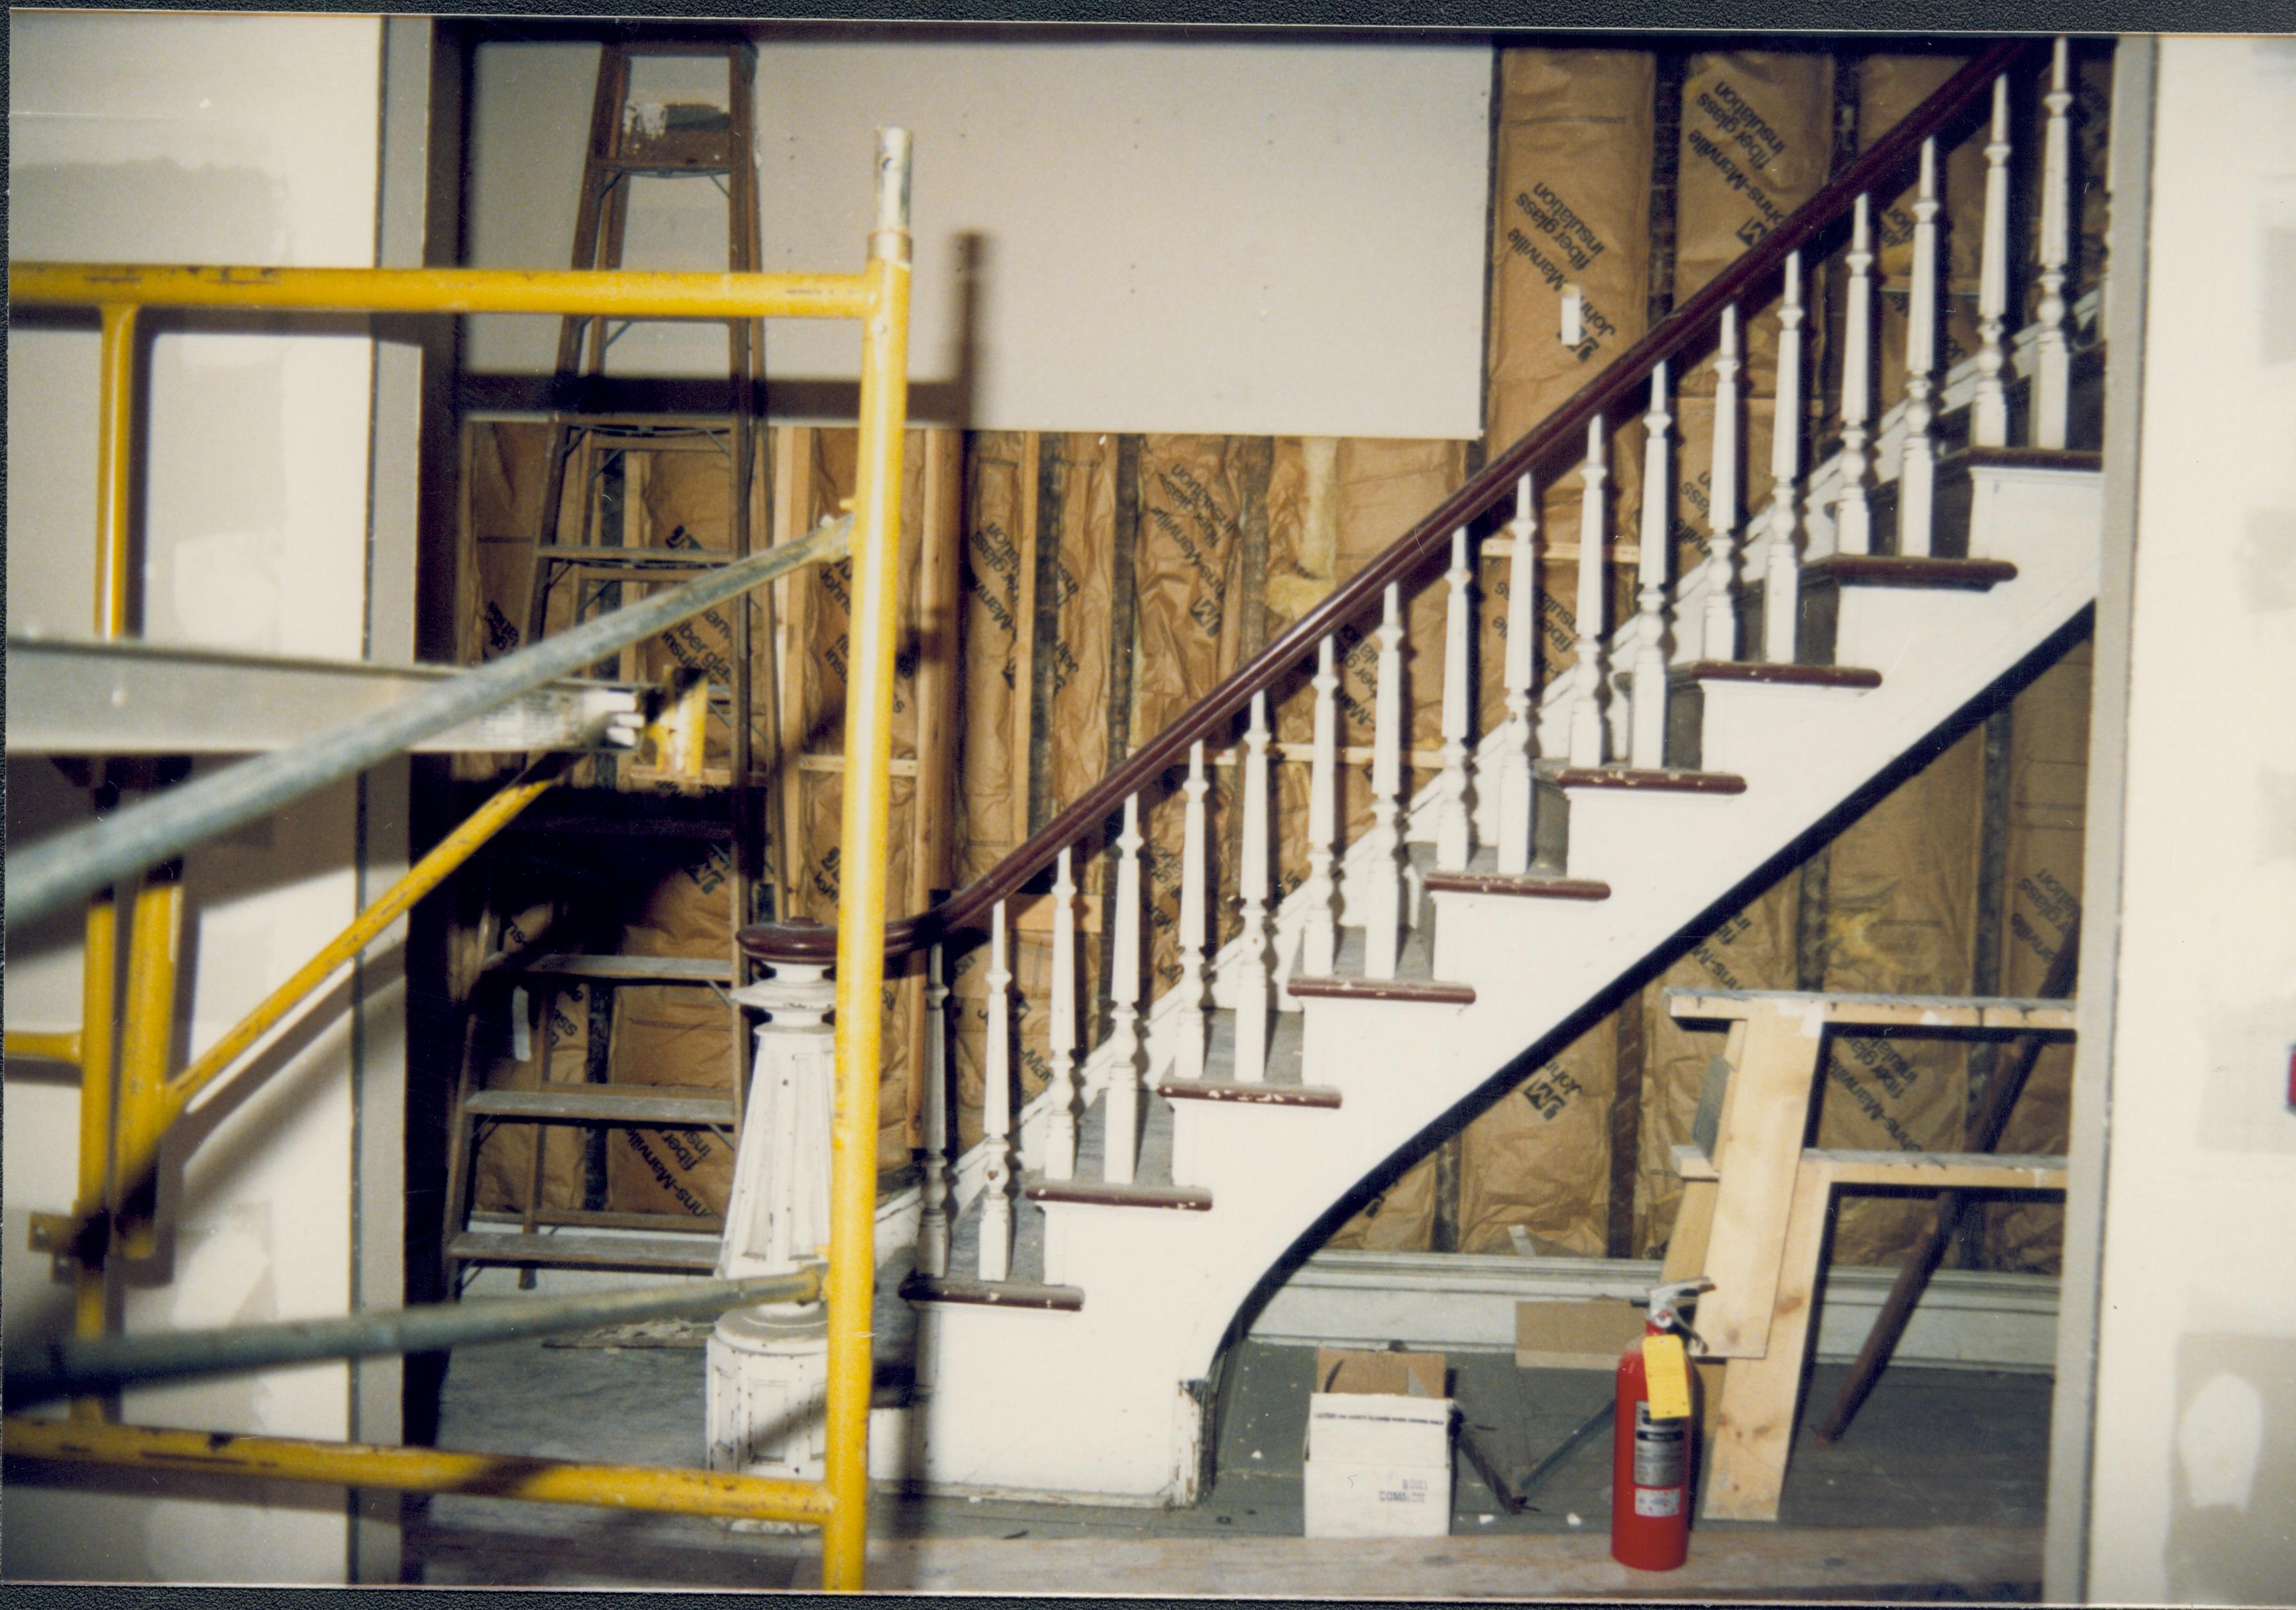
<point x="1997" y="1014"/>
<point x="1760" y="1148"/>
<point x="1753" y="1429"/>
<point x="1921" y="1171"/>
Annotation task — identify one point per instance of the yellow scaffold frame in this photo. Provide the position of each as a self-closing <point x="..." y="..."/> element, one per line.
<point x="119" y="1141"/>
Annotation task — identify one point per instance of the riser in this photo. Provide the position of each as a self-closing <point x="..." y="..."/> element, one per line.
<point x="1084" y="1403"/>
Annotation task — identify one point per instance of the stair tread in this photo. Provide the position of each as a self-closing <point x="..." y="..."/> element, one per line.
<point x="1650" y="780"/>
<point x="641" y="970"/>
<point x="1763" y="672"/>
<point x="692" y="1254"/>
<point x="606" y="1103"/>
<point x="1899" y="570"/>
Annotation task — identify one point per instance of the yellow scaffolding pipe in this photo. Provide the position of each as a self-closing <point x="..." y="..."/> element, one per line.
<point x="119" y="1140"/>
<point x="495" y="1475"/>
<point x="31" y="1045"/>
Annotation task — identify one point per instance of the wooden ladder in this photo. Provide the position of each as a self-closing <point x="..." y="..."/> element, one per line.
<point x="589" y="442"/>
<point x="1756" y="1200"/>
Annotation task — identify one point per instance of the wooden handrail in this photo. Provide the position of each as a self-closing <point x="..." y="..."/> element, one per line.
<point x="969" y="906"/>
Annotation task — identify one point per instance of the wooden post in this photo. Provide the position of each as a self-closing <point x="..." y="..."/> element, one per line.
<point x="1251" y="970"/>
<point x="793" y="597"/>
<point x="932" y="815"/>
<point x="1648" y="743"/>
<point x="1192" y="1027"/>
<point x="997" y="1114"/>
<point x="1587" y="682"/>
<point x="2052" y="359"/>
<point x="1853" y="518"/>
<point x="1917" y="465"/>
<point x="1988" y="414"/>
<point x="1454" y="825"/>
<point x="1516" y="802"/>
<point x="1382" y="884"/>
<point x="1781" y="578"/>
<point x="1319" y="940"/>
<point x="1721" y="631"/>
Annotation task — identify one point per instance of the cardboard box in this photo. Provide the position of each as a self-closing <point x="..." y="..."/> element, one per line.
<point x="1588" y="1334"/>
<point x="1378" y="1458"/>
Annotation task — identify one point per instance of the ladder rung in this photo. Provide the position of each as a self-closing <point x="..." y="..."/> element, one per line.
<point x="604" y="1104"/>
<point x="659" y="164"/>
<point x="620" y="969"/>
<point x="683" y="558"/>
<point x="684" y="1254"/>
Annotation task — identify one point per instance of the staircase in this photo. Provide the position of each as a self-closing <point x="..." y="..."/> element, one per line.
<point x="1070" y="1311"/>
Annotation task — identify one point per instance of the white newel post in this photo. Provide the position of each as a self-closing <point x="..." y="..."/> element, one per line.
<point x="768" y="1365"/>
<point x="1781" y="577"/>
<point x="1382" y="882"/>
<point x="933" y="1218"/>
<point x="1722" y="503"/>
<point x="1917" y="467"/>
<point x="1454" y="825"/>
<point x="1061" y="1124"/>
<point x="997" y="1114"/>
<point x="1648" y="745"/>
<point x="1586" y="699"/>
<point x="1989" y="412"/>
<point x="2052" y="357"/>
<point x="1319" y="942"/>
<point x="1853" y="518"/>
<point x="1124" y="965"/>
<point x="1517" y="803"/>
<point x="1192" y="1027"/>
<point x="1251" y="963"/>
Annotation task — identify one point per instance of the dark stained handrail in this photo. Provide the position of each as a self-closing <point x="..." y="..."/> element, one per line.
<point x="969" y="906"/>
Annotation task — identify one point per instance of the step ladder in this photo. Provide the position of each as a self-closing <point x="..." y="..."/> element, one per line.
<point x="1756" y="1201"/>
<point x="596" y="446"/>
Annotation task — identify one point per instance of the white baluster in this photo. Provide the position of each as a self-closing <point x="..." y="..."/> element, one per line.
<point x="1586" y="702"/>
<point x="1853" y="519"/>
<point x="1917" y="468"/>
<point x="996" y="1114"/>
<point x="1251" y="963"/>
<point x="1382" y="882"/>
<point x="2052" y="360"/>
<point x="1319" y="941"/>
<point x="1454" y="827"/>
<point x="1124" y="977"/>
<point x="1192" y="1026"/>
<point x="1060" y="1124"/>
<point x="1989" y="414"/>
<point x="1516" y="797"/>
<point x="1722" y="503"/>
<point x="932" y="1223"/>
<point x="1782" y="580"/>
<point x="1648" y="745"/>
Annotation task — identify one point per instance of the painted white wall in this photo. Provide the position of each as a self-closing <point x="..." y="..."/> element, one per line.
<point x="1248" y="237"/>
<point x="201" y="138"/>
<point x="2194" y="1486"/>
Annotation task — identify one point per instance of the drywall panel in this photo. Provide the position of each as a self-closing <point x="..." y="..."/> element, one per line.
<point x="2194" y="1455"/>
<point x="201" y="138"/>
<point x="1254" y="238"/>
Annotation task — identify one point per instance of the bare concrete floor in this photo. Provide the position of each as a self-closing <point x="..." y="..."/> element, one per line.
<point x="1963" y="1454"/>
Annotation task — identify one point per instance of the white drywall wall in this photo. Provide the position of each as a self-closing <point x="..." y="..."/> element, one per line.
<point x="241" y="139"/>
<point x="1187" y="235"/>
<point x="2193" y="1475"/>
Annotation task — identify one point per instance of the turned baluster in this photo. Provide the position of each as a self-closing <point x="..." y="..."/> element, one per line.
<point x="1988" y="416"/>
<point x="1781" y="577"/>
<point x="997" y="1114"/>
<point x="1123" y="984"/>
<point x="1853" y="518"/>
<point x="1516" y="798"/>
<point x="1251" y="963"/>
<point x="1192" y="1026"/>
<point x="932" y="1221"/>
<point x="1587" y="701"/>
<point x="2052" y="360"/>
<point x="1319" y="941"/>
<point x="1060" y="1124"/>
<point x="1454" y="827"/>
<point x="1917" y="466"/>
<point x="1721" y="631"/>
<point x="1381" y="883"/>
<point x="1648" y="743"/>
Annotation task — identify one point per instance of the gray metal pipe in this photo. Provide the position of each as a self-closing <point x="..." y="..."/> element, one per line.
<point x="77" y="1367"/>
<point x="46" y="875"/>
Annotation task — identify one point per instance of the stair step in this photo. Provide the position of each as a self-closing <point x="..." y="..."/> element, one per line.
<point x="604" y="1103"/>
<point x="1100" y="1193"/>
<point x="1527" y="885"/>
<point x="680" y="1254"/>
<point x="1762" y="671"/>
<point x="1384" y="989"/>
<point x="1651" y="782"/>
<point x="1892" y="570"/>
<point x="992" y="1294"/>
<point x="1250" y="1095"/>
<point x="619" y="969"/>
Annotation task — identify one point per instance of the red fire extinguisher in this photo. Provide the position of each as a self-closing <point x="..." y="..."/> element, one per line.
<point x="1650" y="1456"/>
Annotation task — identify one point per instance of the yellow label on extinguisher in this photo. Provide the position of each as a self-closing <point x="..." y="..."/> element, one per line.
<point x="1668" y="1372"/>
